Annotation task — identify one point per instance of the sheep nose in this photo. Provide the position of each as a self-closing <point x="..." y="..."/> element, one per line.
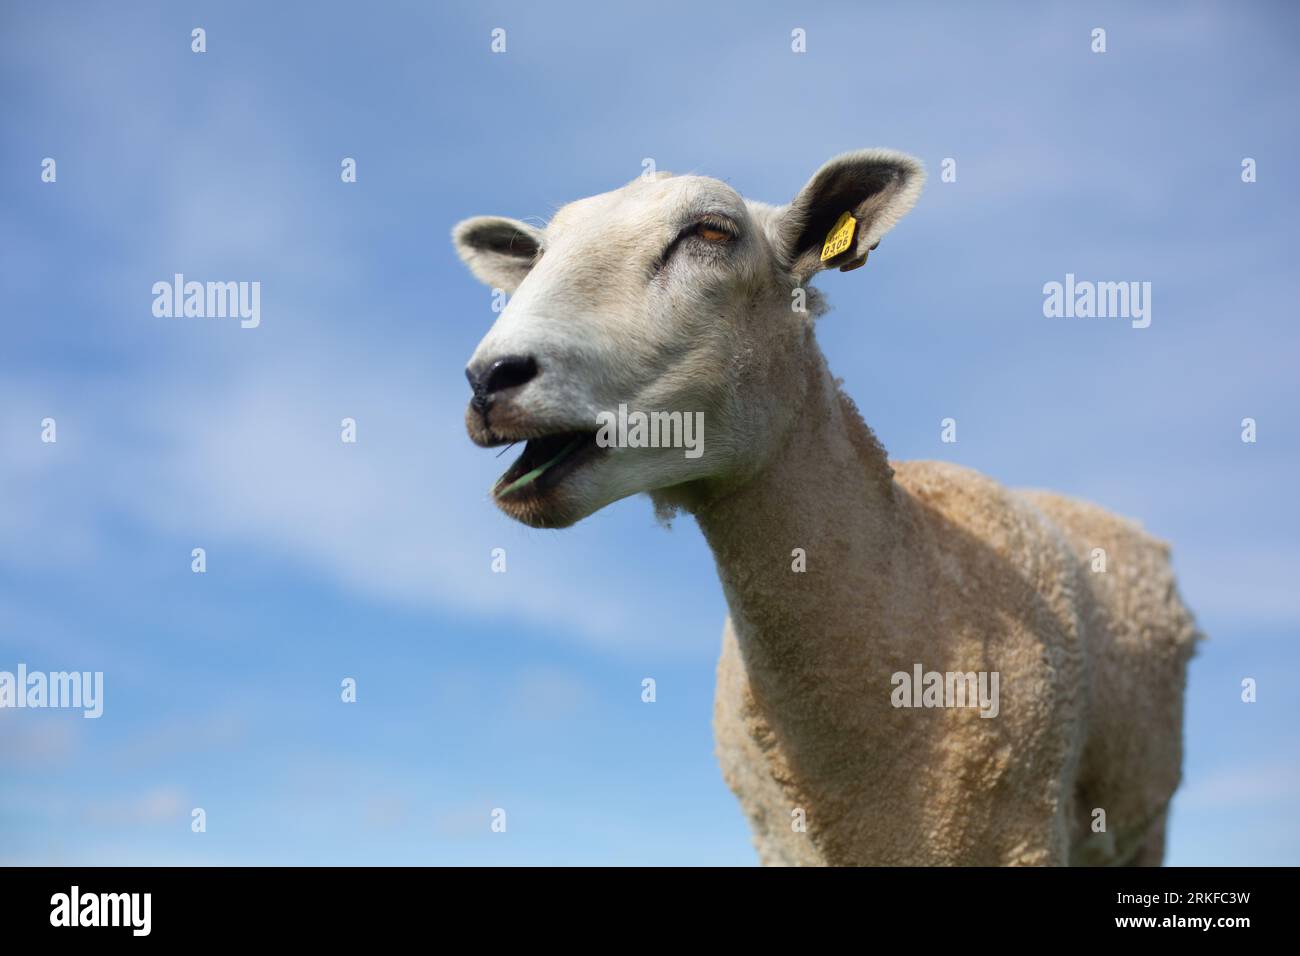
<point x="503" y="373"/>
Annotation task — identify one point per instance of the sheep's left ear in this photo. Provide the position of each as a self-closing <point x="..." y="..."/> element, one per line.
<point x="846" y="207"/>
<point x="500" y="252"/>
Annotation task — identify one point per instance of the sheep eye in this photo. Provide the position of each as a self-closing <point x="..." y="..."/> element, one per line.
<point x="712" y="233"/>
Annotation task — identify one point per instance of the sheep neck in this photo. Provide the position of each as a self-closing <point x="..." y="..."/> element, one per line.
<point x="827" y="489"/>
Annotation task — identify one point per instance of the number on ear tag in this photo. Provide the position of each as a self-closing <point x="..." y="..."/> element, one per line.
<point x="840" y="238"/>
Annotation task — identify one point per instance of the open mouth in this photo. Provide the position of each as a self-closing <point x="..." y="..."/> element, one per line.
<point x="545" y="463"/>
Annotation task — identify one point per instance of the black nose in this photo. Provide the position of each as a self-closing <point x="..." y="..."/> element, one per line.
<point x="504" y="373"/>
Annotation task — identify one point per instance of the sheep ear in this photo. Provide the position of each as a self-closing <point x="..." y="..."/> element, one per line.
<point x="873" y="188"/>
<point x="500" y="252"/>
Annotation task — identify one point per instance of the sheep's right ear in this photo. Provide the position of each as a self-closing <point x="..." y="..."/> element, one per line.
<point x="500" y="252"/>
<point x="840" y="215"/>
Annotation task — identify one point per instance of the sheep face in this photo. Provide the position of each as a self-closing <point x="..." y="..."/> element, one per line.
<point x="653" y="332"/>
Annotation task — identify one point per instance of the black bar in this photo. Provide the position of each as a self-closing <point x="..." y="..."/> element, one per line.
<point x="330" y="905"/>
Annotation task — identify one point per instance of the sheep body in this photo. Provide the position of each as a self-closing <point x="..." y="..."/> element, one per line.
<point x="1092" y="666"/>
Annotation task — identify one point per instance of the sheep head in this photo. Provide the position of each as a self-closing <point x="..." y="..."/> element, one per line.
<point x="652" y="333"/>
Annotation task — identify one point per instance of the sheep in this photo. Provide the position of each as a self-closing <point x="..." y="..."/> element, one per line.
<point x="844" y="573"/>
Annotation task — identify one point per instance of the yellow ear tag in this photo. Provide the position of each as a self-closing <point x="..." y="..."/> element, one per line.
<point x="840" y="237"/>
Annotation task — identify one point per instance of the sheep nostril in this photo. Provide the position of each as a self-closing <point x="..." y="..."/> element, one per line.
<point x="508" y="372"/>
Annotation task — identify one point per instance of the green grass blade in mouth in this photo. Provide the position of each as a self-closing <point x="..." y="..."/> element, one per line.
<point x="536" y="472"/>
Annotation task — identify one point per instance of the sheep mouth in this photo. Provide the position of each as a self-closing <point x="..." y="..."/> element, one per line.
<point x="544" y="464"/>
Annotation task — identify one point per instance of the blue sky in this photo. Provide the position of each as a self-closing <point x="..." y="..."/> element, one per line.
<point x="522" y="690"/>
